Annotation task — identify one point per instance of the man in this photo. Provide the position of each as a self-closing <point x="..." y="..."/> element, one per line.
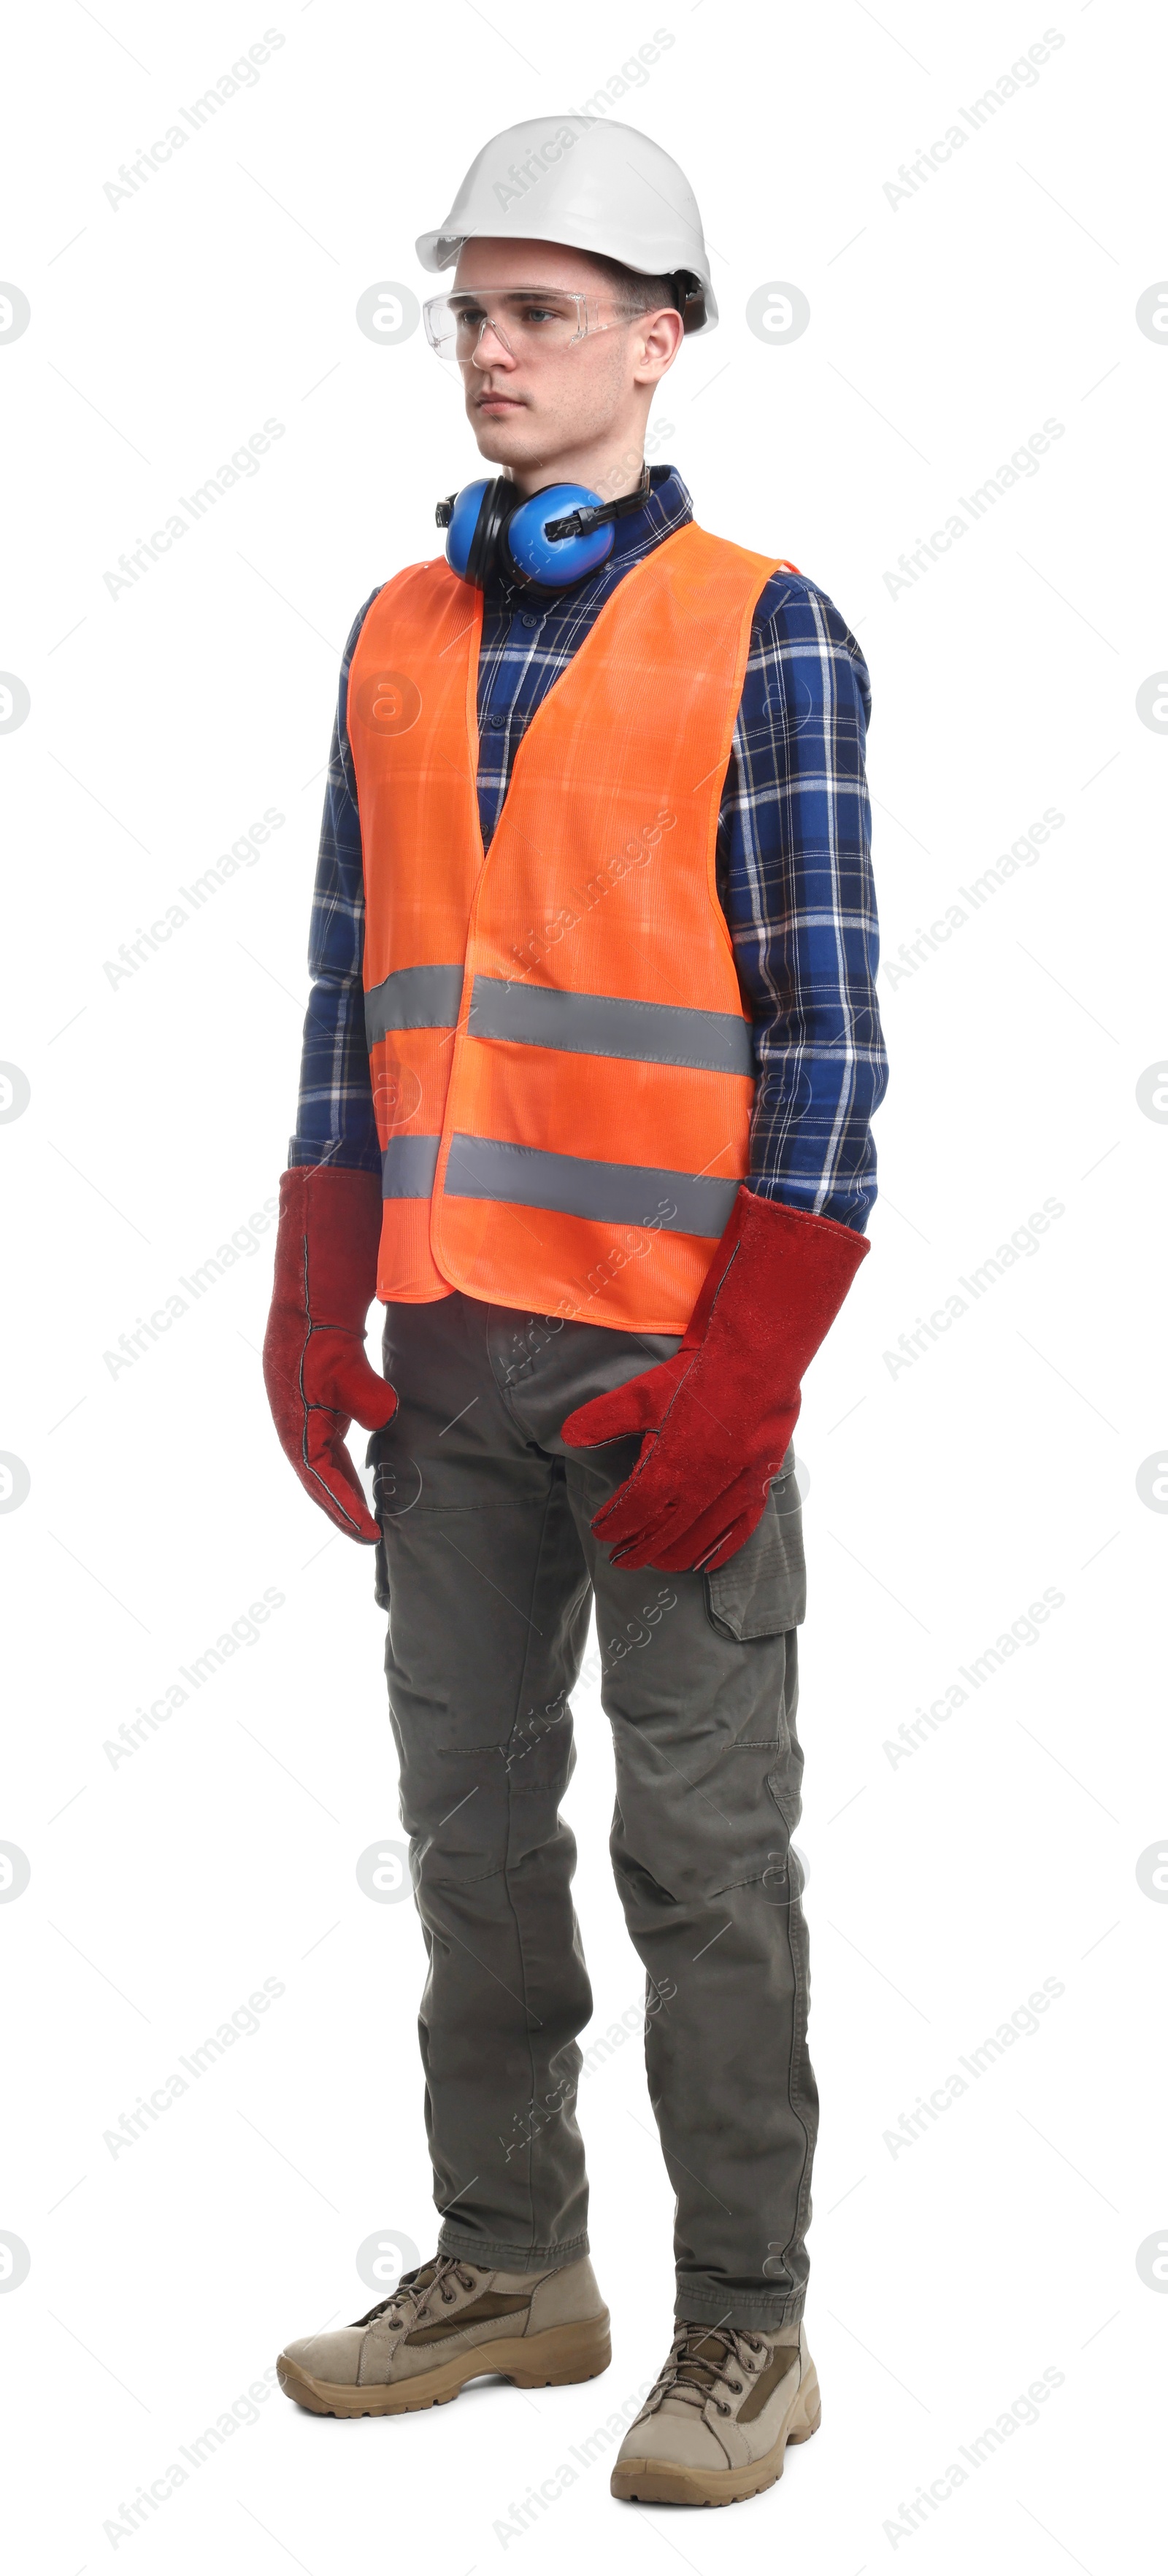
<point x="589" y="1064"/>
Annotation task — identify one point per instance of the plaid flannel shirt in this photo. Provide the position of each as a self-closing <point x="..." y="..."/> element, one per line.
<point x="793" y="871"/>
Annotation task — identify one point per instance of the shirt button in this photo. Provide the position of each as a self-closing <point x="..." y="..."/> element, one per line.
<point x="533" y="621"/>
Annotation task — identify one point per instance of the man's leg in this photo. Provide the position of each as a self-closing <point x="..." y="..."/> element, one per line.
<point x="700" y="1684"/>
<point x="488" y="1596"/>
<point x="706" y="1804"/>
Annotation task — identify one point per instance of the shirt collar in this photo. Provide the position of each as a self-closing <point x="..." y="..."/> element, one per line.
<point x="666" y="506"/>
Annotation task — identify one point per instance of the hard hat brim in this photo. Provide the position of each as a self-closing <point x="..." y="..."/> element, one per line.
<point x="618" y="197"/>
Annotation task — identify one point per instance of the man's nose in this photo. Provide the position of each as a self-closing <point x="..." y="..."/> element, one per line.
<point x="497" y="354"/>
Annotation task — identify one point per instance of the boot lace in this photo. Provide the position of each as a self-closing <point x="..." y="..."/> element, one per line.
<point x="440" y="2279"/>
<point x="701" y="2361"/>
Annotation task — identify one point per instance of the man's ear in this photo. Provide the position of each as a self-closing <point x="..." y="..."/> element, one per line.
<point x="660" y="336"/>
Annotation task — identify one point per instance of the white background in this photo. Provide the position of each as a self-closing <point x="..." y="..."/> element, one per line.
<point x="944" y="1886"/>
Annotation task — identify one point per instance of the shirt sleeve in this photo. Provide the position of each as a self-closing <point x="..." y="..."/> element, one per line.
<point x="795" y="878"/>
<point x="334" y="1119"/>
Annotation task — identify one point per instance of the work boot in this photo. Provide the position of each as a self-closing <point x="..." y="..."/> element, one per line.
<point x="719" y="2419"/>
<point x="447" y="2322"/>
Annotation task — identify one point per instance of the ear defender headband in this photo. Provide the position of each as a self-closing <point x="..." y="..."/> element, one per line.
<point x="556" y="537"/>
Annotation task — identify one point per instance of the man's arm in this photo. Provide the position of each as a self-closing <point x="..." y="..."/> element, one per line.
<point x="335" y="1122"/>
<point x="796" y="888"/>
<point x="315" y="1370"/>
<point x="795" y="877"/>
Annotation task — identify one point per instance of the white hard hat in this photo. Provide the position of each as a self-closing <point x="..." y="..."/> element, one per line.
<point x="597" y="187"/>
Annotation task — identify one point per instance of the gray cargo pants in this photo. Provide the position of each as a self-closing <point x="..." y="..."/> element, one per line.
<point x="488" y="1568"/>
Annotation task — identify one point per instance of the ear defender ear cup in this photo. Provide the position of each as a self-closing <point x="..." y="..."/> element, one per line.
<point x="553" y="563"/>
<point x="499" y="500"/>
<point x="460" y="517"/>
<point x="477" y="515"/>
<point x="554" y="538"/>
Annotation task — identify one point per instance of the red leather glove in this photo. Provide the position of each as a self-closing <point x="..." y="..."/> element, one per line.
<point x="315" y="1370"/>
<point x="718" y="1416"/>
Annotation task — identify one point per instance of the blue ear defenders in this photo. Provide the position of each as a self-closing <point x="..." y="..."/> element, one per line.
<point x="555" y="538"/>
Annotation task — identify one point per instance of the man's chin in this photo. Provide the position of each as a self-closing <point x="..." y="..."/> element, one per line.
<point x="502" y="439"/>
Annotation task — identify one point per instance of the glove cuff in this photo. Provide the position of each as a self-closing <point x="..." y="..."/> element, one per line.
<point x="778" y="1282"/>
<point x="327" y="1245"/>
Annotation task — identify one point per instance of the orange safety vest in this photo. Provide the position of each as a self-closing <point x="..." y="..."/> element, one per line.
<point x="562" y="1066"/>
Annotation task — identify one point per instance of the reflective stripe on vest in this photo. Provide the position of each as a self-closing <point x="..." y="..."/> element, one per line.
<point x="562" y="1066"/>
<point x="483" y="1167"/>
<point x="427" y="997"/>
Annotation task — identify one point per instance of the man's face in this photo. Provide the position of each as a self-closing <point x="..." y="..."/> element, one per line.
<point x="532" y="404"/>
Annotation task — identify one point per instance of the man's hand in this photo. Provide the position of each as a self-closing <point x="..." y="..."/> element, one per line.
<point x="315" y="1370"/>
<point x="718" y="1416"/>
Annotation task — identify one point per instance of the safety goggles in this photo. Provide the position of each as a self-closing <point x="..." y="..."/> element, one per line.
<point x="526" y="319"/>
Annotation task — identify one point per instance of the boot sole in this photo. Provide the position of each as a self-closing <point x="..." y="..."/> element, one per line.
<point x="650" y="2481"/>
<point x="554" y="2359"/>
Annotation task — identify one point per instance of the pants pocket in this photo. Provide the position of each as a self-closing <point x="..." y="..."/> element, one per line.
<point x="762" y="1590"/>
